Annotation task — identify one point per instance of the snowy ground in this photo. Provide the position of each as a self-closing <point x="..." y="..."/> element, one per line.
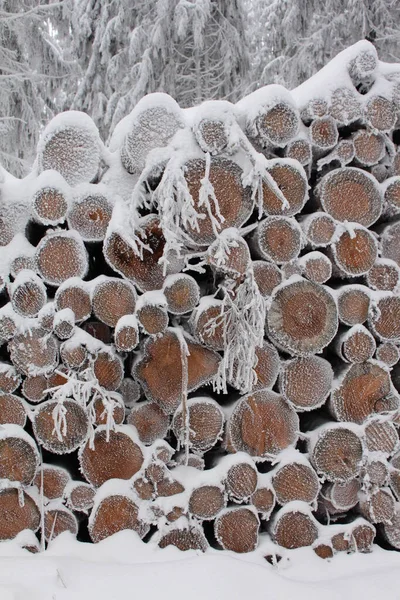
<point x="123" y="568"/>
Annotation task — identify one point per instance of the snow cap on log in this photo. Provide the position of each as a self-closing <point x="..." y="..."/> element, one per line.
<point x="270" y="114"/>
<point x="151" y="124"/>
<point x="70" y="144"/>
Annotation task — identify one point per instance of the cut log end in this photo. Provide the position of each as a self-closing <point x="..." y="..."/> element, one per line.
<point x="237" y="530"/>
<point x="16" y="516"/>
<point x="115" y="513"/>
<point x="337" y="454"/>
<point x="263" y="424"/>
<point x="118" y="457"/>
<point x="340" y="186"/>
<point x="306" y="382"/>
<point x="72" y="432"/>
<point x="302" y="317"/>
<point x="294" y="529"/>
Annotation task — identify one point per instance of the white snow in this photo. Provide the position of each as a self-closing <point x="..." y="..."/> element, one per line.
<point x="122" y="567"/>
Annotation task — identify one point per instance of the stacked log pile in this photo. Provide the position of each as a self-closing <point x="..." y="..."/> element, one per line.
<point x="200" y="322"/>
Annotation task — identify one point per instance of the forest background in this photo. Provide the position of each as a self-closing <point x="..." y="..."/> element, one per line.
<point x="102" y="56"/>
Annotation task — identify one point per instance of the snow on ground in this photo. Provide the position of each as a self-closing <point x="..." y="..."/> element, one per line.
<point x="123" y="568"/>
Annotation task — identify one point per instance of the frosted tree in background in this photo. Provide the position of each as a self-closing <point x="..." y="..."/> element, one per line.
<point x="294" y="38"/>
<point x="32" y="73"/>
<point x="193" y="50"/>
